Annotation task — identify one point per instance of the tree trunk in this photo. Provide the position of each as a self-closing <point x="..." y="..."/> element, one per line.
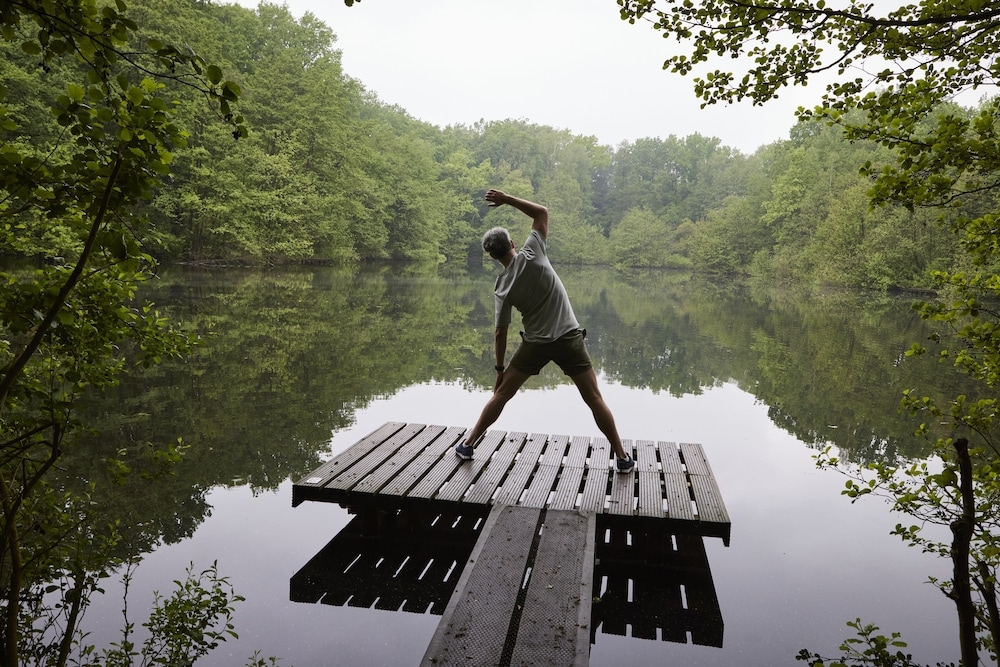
<point x="961" y="530"/>
<point x="988" y="589"/>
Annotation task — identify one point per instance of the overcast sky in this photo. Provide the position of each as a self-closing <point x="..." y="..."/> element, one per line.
<point x="570" y="64"/>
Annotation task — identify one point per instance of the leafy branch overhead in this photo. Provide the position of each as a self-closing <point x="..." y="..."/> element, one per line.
<point x="892" y="78"/>
<point x="945" y="44"/>
<point x="101" y="38"/>
<point x="896" y="68"/>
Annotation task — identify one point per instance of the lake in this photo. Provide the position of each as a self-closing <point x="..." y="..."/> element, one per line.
<point x="301" y="363"/>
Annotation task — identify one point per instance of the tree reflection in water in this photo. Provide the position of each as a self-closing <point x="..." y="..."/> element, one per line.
<point x="294" y="358"/>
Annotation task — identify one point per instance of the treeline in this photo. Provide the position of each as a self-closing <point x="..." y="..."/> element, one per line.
<point x="330" y="173"/>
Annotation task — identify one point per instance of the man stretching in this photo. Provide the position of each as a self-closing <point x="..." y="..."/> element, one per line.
<point x="551" y="331"/>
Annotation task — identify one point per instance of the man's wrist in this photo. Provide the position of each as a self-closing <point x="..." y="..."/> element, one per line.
<point x="499" y="369"/>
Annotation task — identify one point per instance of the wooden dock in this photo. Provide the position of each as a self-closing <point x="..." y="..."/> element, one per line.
<point x="522" y="587"/>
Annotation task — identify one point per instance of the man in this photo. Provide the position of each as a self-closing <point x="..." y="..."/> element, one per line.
<point x="551" y="331"/>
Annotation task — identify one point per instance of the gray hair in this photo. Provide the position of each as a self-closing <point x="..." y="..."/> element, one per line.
<point x="496" y="242"/>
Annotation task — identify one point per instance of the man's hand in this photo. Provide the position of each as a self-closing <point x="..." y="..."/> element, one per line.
<point x="539" y="214"/>
<point x="496" y="198"/>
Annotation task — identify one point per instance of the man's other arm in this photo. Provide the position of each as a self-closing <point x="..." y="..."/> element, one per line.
<point x="538" y="213"/>
<point x="500" y="349"/>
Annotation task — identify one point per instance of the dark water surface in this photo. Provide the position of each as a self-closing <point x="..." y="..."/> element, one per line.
<point x="301" y="364"/>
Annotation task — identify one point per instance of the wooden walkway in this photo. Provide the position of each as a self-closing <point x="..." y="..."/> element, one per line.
<point x="524" y="593"/>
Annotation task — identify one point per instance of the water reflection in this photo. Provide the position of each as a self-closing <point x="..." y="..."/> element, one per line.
<point x="649" y="583"/>
<point x="653" y="584"/>
<point x="405" y="559"/>
<point x="293" y="356"/>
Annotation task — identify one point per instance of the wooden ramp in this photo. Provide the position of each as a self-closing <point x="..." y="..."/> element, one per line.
<point x="525" y="593"/>
<point x="525" y="597"/>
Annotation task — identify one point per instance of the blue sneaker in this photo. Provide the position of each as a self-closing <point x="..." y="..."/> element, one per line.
<point x="625" y="465"/>
<point x="463" y="451"/>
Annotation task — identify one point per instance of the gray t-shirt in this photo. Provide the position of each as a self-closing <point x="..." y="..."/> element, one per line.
<point x="530" y="284"/>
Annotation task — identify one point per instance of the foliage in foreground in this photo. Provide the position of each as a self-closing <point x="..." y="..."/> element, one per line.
<point x="939" y="159"/>
<point x="867" y="647"/>
<point x="182" y="627"/>
<point x="74" y="170"/>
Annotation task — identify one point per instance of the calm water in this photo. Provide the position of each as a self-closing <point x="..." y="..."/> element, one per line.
<point x="302" y="364"/>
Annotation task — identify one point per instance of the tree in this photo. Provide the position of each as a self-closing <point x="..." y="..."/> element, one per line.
<point x="891" y="76"/>
<point x="69" y="189"/>
<point x="640" y="239"/>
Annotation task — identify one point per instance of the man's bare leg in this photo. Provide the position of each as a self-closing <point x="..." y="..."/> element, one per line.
<point x="510" y="383"/>
<point x="586" y="382"/>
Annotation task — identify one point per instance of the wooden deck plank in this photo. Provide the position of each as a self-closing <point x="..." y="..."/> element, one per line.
<point x="650" y="480"/>
<point x="554" y="628"/>
<point x="555" y="451"/>
<point x="512" y="487"/>
<point x="567" y="493"/>
<point x="422" y="464"/>
<point x="456" y="475"/>
<point x="650" y="500"/>
<point x="343" y="460"/>
<point x="473" y="628"/>
<point x="399" y="460"/>
<point x="621" y="499"/>
<point x="708" y="500"/>
<point x="670" y="458"/>
<point x="347" y="478"/>
<point x="486" y="485"/>
<point x="646" y="456"/>
<point x="707" y="497"/>
<point x="540" y="487"/>
<point x="694" y="459"/>
<point x="595" y="488"/>
<point x="579" y="449"/>
<point x="600" y="453"/>
<point x="678" y="498"/>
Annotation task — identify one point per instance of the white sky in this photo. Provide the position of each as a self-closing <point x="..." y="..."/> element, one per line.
<point x="569" y="64"/>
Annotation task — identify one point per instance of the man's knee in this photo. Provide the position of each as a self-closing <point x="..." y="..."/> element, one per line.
<point x="586" y="383"/>
<point x="510" y="385"/>
<point x="503" y="394"/>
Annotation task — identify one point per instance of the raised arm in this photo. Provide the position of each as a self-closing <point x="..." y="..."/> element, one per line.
<point x="538" y="213"/>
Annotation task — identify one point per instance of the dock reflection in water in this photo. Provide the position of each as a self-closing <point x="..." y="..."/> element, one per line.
<point x="656" y="583"/>
<point x="648" y="583"/>
<point x="394" y="559"/>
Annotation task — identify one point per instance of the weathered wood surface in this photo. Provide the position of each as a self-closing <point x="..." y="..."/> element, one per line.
<point x="525" y="589"/>
<point x="415" y="463"/>
<point x="525" y="597"/>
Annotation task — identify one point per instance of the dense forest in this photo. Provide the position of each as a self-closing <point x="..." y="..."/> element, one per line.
<point x="329" y="173"/>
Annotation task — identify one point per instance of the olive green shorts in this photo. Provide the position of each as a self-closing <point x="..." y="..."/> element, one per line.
<point x="569" y="352"/>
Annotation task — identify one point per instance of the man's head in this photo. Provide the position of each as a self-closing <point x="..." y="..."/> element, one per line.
<point x="496" y="242"/>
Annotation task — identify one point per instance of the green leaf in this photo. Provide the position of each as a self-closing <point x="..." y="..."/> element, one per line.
<point x="231" y="91"/>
